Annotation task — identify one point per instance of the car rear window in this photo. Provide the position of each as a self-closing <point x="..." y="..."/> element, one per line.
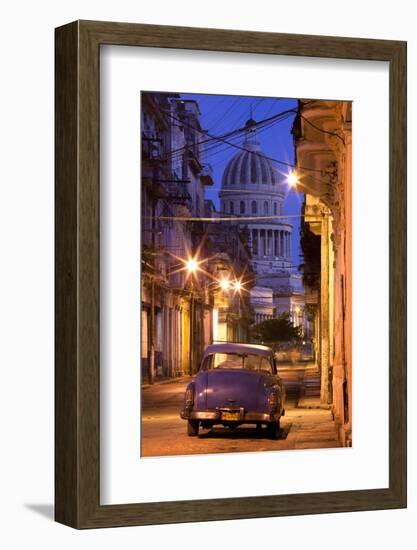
<point x="250" y="361"/>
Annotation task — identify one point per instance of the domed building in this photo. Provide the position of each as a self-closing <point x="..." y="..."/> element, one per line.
<point x="251" y="188"/>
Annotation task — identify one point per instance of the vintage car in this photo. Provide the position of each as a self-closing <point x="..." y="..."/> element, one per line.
<point x="237" y="384"/>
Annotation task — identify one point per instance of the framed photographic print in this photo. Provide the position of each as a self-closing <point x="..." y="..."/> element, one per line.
<point x="230" y="274"/>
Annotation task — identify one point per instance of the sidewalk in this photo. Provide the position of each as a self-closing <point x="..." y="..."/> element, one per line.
<point x="311" y="403"/>
<point x="163" y="381"/>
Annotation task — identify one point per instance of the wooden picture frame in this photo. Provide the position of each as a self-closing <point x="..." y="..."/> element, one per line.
<point x="77" y="405"/>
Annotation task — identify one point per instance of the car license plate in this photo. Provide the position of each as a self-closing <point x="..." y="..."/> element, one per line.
<point x="230" y="415"/>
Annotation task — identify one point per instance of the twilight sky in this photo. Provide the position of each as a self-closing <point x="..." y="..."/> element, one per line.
<point x="222" y="114"/>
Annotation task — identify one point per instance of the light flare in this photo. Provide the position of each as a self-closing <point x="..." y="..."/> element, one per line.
<point x="224" y="284"/>
<point x="191" y="265"/>
<point x="292" y="179"/>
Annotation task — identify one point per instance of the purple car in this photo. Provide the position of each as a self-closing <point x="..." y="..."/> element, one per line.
<point x="237" y="384"/>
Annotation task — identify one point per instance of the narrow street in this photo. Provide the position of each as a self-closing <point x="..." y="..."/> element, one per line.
<point x="304" y="426"/>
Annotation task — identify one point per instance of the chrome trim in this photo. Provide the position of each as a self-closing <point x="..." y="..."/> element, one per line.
<point x="248" y="417"/>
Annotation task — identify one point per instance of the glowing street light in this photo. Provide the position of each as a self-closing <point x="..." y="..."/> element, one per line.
<point x="292" y="179"/>
<point x="238" y="286"/>
<point x="225" y="284"/>
<point x="191" y="265"/>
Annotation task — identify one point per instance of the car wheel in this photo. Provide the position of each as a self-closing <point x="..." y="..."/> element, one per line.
<point x="273" y="429"/>
<point x="192" y="427"/>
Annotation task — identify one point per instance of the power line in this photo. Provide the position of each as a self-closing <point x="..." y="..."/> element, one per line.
<point x="217" y="148"/>
<point x="284" y="163"/>
<point x="230" y="134"/>
<point x="321" y="129"/>
<point x="232" y="218"/>
<point x="216" y="106"/>
<point x="228" y="110"/>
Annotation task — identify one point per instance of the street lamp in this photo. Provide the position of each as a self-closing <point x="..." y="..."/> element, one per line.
<point x="224" y="284"/>
<point x="191" y="265"/>
<point x="292" y="178"/>
<point x="238" y="286"/>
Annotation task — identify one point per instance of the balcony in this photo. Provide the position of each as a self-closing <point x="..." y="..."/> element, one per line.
<point x="207" y="177"/>
<point x="178" y="191"/>
<point x="152" y="147"/>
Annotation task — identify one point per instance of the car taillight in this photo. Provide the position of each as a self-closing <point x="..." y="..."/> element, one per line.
<point x="189" y="397"/>
<point x="273" y="401"/>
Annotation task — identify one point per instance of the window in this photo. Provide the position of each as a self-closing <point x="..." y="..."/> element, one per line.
<point x="266" y="365"/>
<point x="254" y="207"/>
<point x="275" y="209"/>
<point x="231" y="360"/>
<point x="266" y="209"/>
<point x="232" y="208"/>
<point x="255" y="243"/>
<point x="242" y="207"/>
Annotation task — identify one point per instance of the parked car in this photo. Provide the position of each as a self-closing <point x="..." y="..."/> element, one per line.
<point x="237" y="384"/>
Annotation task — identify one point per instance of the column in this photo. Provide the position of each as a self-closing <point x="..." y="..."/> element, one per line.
<point x="175" y="338"/>
<point x="326" y="288"/>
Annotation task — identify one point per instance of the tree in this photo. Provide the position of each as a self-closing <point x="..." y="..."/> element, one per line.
<point x="276" y="330"/>
<point x="311" y="254"/>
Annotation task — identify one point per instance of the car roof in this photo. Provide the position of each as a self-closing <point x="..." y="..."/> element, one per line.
<point x="230" y="347"/>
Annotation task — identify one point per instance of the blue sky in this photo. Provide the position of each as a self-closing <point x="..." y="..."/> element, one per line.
<point x="222" y="114"/>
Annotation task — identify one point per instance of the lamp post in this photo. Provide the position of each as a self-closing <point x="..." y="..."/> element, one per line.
<point x="191" y="266"/>
<point x="227" y="286"/>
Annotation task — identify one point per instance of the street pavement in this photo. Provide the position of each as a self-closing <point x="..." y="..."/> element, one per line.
<point x="309" y="427"/>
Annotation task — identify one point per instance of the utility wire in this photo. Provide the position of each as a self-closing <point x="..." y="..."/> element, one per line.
<point x="237" y="131"/>
<point x="233" y="218"/>
<point x="288" y="164"/>
<point x="217" y="148"/>
<point x="321" y="129"/>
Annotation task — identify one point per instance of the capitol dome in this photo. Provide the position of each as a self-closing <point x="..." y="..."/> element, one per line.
<point x="251" y="192"/>
<point x="250" y="166"/>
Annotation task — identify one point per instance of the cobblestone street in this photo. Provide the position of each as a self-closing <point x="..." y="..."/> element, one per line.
<point x="304" y="426"/>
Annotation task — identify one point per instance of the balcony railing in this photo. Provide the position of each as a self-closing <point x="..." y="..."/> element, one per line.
<point x="152" y="147"/>
<point x="178" y="191"/>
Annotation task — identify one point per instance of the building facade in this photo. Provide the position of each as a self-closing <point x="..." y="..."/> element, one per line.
<point x="176" y="320"/>
<point x="182" y="311"/>
<point x="323" y="140"/>
<point x="230" y="261"/>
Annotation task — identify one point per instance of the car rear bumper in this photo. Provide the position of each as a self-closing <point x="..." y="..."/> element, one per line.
<point x="217" y="416"/>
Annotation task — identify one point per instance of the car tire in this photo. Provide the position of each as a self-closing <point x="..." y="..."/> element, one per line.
<point x="192" y="427"/>
<point x="273" y="430"/>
